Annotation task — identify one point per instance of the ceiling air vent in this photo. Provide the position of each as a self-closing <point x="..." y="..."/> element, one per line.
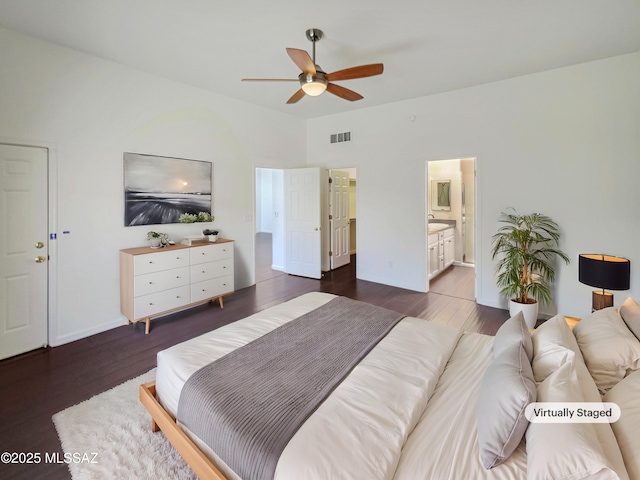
<point x="340" y="137"/>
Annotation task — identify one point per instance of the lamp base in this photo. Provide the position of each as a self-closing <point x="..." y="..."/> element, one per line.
<point x="600" y="300"/>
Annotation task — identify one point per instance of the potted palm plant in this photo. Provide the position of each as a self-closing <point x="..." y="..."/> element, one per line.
<point x="526" y="247"/>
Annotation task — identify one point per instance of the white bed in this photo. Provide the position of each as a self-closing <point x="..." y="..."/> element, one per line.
<point x="408" y="410"/>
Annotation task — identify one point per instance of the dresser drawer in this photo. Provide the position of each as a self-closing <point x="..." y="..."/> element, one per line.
<point x="153" y="303"/>
<point x="158" y="281"/>
<point x="211" y="288"/>
<point x="155" y="262"/>
<point x="207" y="271"/>
<point x="210" y="253"/>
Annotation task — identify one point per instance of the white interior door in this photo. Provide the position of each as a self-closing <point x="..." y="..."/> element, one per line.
<point x="302" y="206"/>
<point x="23" y="249"/>
<point x="340" y="220"/>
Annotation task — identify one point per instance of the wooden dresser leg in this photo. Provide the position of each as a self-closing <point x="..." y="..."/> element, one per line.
<point x="154" y="426"/>
<point x="220" y="300"/>
<point x="147" y="326"/>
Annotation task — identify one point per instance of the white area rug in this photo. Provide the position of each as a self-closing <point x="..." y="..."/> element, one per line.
<point x="116" y="427"/>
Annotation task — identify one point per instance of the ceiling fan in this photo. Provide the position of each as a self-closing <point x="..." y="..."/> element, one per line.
<point x="313" y="80"/>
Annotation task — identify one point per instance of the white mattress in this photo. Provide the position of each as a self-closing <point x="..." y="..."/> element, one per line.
<point x="408" y="409"/>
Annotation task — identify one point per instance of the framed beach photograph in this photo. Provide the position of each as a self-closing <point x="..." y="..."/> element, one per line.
<point x="157" y="190"/>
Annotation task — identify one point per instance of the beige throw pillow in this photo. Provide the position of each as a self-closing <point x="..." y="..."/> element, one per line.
<point x="507" y="388"/>
<point x="513" y="332"/>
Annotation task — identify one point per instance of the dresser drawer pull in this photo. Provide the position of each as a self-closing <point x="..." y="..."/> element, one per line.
<point x="204" y="271"/>
<point x="150" y="283"/>
<point x="150" y="303"/>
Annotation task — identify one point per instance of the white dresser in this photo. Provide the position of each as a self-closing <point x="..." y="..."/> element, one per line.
<point x="154" y="282"/>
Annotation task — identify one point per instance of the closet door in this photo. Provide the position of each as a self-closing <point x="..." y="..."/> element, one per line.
<point x="340" y="223"/>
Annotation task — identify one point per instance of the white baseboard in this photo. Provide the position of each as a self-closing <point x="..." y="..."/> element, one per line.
<point x="72" y="337"/>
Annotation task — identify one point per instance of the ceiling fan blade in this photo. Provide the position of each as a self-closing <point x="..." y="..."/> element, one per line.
<point x="343" y="92"/>
<point x="296" y="96"/>
<point x="270" y="80"/>
<point x="356" y="72"/>
<point x="302" y="60"/>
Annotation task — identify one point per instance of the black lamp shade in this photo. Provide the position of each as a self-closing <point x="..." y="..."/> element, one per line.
<point x="604" y="271"/>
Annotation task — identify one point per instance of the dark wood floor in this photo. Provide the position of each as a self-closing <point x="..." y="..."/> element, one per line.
<point x="36" y="385"/>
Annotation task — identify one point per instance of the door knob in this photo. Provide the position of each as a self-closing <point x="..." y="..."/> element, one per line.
<point x="40" y="259"/>
<point x="39" y="245"/>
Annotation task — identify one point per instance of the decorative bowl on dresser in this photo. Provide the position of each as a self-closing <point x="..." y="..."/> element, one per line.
<point x="156" y="282"/>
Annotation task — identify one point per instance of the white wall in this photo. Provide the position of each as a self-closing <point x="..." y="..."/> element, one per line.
<point x="264" y="200"/>
<point x="277" y="238"/>
<point x="563" y="142"/>
<point x="90" y="111"/>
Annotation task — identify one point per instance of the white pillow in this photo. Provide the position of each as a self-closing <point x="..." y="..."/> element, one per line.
<point x="609" y="349"/>
<point x="627" y="395"/>
<point x="553" y="345"/>
<point x="567" y="451"/>
<point x="630" y="313"/>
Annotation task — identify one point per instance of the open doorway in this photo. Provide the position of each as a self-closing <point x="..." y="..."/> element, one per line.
<point x="270" y="248"/>
<point x="269" y="244"/>
<point x="451" y="225"/>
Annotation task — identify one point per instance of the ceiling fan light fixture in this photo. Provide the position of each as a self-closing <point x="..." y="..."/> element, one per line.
<point x="314" y="81"/>
<point x="313" y="86"/>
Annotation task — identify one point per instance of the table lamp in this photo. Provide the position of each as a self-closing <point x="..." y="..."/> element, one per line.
<point x="605" y="272"/>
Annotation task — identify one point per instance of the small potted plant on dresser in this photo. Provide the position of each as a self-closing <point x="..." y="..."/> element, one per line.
<point x="157" y="239"/>
<point x="154" y="239"/>
<point x="527" y="248"/>
<point x="212" y="234"/>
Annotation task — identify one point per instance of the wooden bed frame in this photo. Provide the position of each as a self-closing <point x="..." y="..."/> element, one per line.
<point x="162" y="420"/>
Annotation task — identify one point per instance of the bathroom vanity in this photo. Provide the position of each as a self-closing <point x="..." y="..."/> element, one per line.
<point x="441" y="247"/>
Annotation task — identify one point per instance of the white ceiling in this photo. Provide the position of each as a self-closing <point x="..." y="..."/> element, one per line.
<point x="427" y="46"/>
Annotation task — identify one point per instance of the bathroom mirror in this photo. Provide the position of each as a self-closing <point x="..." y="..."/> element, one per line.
<point x="441" y="195"/>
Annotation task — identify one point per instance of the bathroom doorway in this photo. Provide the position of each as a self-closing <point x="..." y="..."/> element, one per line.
<point x="451" y="225"/>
